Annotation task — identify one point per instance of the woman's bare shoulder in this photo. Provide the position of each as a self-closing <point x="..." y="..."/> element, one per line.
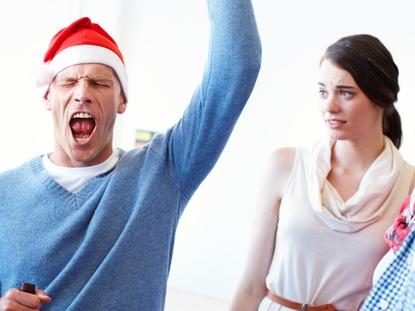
<point x="277" y="171"/>
<point x="282" y="159"/>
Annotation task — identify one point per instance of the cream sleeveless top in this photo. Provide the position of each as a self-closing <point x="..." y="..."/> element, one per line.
<point x="326" y="250"/>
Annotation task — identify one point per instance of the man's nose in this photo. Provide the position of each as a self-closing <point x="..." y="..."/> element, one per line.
<point x="83" y="91"/>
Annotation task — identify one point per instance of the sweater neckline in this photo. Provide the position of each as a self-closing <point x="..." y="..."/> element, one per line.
<point x="73" y="199"/>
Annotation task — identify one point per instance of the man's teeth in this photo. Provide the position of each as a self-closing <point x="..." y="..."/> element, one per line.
<point x="82" y="115"/>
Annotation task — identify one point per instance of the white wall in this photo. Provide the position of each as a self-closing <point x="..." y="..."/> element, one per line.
<point x="165" y="43"/>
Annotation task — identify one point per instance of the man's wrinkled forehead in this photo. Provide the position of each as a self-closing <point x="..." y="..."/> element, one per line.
<point x="91" y="71"/>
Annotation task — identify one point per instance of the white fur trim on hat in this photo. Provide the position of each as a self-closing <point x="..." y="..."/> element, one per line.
<point x="83" y="54"/>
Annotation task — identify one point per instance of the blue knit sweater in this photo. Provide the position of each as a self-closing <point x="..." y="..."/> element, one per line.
<point x="109" y="247"/>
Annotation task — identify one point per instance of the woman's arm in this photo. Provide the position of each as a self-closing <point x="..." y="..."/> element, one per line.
<point x="252" y="287"/>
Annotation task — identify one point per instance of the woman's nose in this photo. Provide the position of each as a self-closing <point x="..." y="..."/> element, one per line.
<point x="331" y="104"/>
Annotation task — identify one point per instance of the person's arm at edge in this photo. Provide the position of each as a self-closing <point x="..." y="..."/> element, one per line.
<point x="251" y="289"/>
<point x="412" y="184"/>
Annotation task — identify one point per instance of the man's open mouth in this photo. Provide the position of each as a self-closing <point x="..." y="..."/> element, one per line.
<point x="82" y="125"/>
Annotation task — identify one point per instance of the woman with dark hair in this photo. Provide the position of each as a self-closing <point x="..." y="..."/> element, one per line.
<point x="323" y="209"/>
<point x="372" y="67"/>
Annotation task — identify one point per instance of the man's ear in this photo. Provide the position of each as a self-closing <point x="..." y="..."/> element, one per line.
<point x="46" y="101"/>
<point x="122" y="106"/>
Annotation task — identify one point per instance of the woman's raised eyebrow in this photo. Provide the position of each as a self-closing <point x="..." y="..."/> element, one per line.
<point x="340" y="86"/>
<point x="349" y="87"/>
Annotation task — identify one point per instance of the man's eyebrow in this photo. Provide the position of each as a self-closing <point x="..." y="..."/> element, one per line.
<point x="98" y="77"/>
<point x="93" y="78"/>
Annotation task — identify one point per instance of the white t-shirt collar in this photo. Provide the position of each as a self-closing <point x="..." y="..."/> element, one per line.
<point x="74" y="179"/>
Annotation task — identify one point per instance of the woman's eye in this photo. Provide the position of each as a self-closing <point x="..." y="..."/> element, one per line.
<point x="323" y="93"/>
<point x="346" y="94"/>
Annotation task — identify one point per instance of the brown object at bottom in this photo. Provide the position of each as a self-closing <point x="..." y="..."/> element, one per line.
<point x="298" y="306"/>
<point x="28" y="288"/>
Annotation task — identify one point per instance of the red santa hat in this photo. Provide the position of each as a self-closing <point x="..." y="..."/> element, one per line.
<point x="82" y="42"/>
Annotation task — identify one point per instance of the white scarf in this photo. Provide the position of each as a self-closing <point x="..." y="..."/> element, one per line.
<point x="366" y="205"/>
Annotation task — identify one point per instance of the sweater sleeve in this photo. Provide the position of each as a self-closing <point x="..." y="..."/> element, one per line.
<point x="194" y="144"/>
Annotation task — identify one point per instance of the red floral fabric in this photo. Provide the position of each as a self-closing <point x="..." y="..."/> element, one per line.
<point x="402" y="225"/>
